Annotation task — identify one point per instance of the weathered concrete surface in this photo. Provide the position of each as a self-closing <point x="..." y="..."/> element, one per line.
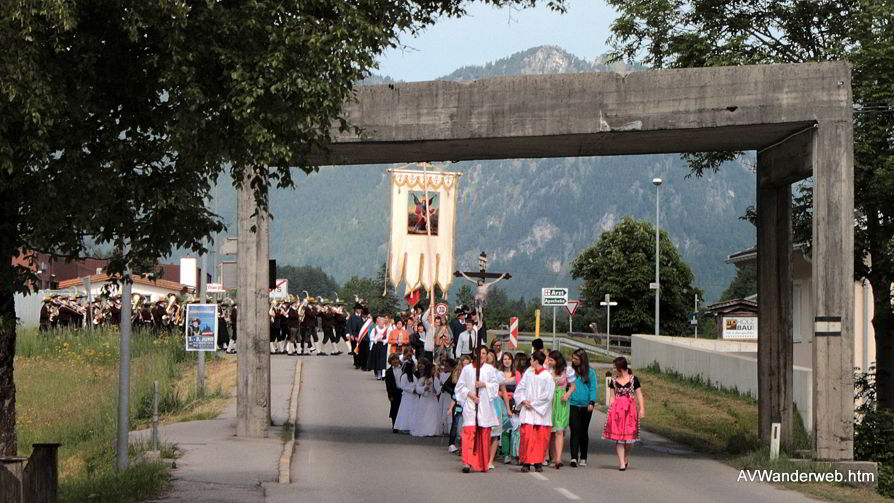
<point x="253" y="324"/>
<point x="587" y="114"/>
<point x="218" y="466"/>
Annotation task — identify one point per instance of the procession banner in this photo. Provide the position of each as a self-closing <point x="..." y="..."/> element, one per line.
<point x="423" y="228"/>
<point x="201" y="327"/>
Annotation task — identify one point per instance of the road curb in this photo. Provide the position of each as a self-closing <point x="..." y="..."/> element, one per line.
<point x="285" y="459"/>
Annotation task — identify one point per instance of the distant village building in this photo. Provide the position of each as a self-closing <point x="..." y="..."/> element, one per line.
<point x="803" y="312"/>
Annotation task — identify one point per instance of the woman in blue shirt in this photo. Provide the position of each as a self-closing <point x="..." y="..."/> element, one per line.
<point x="583" y="400"/>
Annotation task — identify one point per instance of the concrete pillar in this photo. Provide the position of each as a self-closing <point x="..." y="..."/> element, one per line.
<point x="833" y="291"/>
<point x="253" y="332"/>
<point x="774" y="283"/>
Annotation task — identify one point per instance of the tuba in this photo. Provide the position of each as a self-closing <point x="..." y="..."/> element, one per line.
<point x="171" y="310"/>
<point x="136" y="305"/>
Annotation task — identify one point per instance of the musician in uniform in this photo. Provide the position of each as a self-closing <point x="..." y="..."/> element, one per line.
<point x="46" y="314"/>
<point x="340" y="321"/>
<point x="159" y="310"/>
<point x="309" y="329"/>
<point x="327" y="323"/>
<point x="294" y="314"/>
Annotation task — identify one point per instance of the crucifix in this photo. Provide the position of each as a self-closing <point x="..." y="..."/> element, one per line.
<point x="480" y="279"/>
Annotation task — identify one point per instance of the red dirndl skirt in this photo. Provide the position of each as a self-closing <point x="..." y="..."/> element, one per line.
<point x="622" y="421"/>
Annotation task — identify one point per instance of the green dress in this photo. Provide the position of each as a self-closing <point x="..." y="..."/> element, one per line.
<point x="561" y="408"/>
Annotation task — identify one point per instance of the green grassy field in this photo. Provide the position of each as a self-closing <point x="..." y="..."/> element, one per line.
<point x="67" y="386"/>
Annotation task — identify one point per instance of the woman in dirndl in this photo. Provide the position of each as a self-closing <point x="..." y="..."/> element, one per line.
<point x="625" y="411"/>
<point x="564" y="377"/>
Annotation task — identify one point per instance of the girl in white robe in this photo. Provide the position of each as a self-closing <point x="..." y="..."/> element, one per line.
<point x="407" y="413"/>
<point x="428" y="422"/>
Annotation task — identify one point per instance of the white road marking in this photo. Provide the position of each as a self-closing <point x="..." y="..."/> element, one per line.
<point x="538" y="476"/>
<point x="568" y="494"/>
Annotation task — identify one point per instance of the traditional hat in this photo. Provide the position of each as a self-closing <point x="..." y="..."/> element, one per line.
<point x="358" y="305"/>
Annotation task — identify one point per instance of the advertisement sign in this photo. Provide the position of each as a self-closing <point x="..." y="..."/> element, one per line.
<point x="201" y="327"/>
<point x="740" y="327"/>
<point x="554" y="296"/>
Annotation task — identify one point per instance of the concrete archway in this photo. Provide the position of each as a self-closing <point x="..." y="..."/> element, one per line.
<point x="797" y="117"/>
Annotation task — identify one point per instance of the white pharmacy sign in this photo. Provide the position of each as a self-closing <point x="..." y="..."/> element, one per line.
<point x="740" y="327"/>
<point x="556" y="297"/>
<point x="281" y="291"/>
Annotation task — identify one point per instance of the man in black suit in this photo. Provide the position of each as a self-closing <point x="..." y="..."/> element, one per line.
<point x="458" y="325"/>
<point x="355" y="323"/>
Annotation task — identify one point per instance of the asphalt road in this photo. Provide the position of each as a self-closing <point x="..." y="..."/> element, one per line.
<point x="347" y="453"/>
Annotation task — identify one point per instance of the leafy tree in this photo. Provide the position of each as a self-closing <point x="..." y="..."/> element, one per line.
<point x="465" y="296"/>
<point x="743" y="285"/>
<point x="313" y="279"/>
<point x="622" y="264"/>
<point x="140" y="106"/>
<point x="696" y="33"/>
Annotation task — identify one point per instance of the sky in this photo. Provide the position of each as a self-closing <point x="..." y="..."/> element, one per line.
<point x="487" y="34"/>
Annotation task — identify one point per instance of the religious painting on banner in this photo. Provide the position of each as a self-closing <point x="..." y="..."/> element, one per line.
<point x="423" y="228"/>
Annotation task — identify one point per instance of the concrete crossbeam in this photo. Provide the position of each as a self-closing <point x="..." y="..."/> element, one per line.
<point x="588" y="114"/>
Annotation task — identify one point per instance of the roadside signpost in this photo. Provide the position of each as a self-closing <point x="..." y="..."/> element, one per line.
<point x="281" y="290"/>
<point x="571" y="308"/>
<point x="554" y="297"/>
<point x="608" y="303"/>
<point x="513" y="332"/>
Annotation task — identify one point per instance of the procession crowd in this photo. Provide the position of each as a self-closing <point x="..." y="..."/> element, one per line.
<point x="440" y="376"/>
<point x="442" y="379"/>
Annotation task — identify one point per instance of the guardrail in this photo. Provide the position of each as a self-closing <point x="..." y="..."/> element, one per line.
<point x="619" y="345"/>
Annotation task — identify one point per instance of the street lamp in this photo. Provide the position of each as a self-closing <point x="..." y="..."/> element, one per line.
<point x="657" y="285"/>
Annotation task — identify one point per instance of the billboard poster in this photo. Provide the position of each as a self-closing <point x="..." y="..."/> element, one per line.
<point x="201" y="327"/>
<point x="740" y="327"/>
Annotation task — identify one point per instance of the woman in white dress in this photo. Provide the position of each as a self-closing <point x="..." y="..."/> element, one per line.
<point x="409" y="399"/>
<point x="428" y="411"/>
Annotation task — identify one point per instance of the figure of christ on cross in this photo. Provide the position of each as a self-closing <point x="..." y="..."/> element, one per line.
<point x="481" y="291"/>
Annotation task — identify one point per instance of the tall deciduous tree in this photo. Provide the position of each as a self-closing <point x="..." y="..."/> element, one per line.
<point x="117" y="117"/>
<point x="622" y="264"/>
<point x="695" y="33"/>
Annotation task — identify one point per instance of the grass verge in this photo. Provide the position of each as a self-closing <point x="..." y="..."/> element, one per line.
<point x="723" y="422"/>
<point x="67" y="393"/>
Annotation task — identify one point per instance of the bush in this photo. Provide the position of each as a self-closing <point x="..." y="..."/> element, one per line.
<point x="874" y="432"/>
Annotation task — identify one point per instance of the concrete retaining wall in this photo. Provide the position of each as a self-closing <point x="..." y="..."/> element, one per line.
<point x="719" y="368"/>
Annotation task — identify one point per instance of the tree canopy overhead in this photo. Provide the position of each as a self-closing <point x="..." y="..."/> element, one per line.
<point x="694" y="33"/>
<point x="116" y="118"/>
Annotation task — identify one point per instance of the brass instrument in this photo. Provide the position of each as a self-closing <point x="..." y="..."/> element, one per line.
<point x="172" y="310"/>
<point x="136" y="305"/>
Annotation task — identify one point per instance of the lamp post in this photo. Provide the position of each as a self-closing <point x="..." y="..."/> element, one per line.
<point x="657" y="284"/>
<point x="608" y="303"/>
